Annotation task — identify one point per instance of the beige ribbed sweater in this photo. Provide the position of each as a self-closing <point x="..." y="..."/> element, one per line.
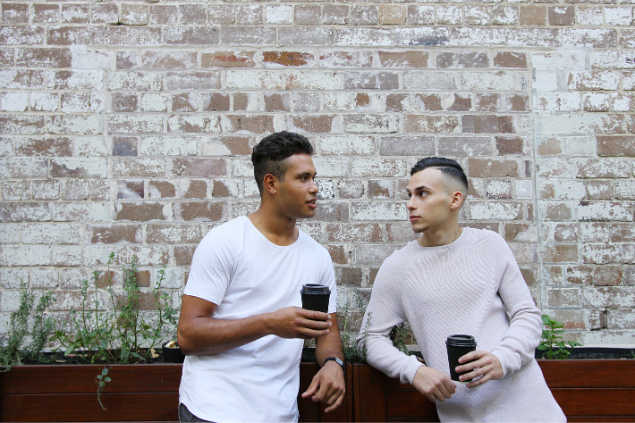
<point x="467" y="287"/>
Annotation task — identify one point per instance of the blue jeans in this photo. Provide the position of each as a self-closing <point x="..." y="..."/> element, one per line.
<point x="186" y="416"/>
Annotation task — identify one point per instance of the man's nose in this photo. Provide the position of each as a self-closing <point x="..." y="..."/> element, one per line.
<point x="314" y="188"/>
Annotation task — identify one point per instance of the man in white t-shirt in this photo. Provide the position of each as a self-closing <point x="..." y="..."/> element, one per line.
<point x="242" y="327"/>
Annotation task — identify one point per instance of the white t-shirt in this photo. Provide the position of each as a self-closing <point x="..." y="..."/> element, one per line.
<point x="236" y="267"/>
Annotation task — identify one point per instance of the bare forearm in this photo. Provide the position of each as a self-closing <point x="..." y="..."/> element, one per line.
<point x="329" y="345"/>
<point x="205" y="335"/>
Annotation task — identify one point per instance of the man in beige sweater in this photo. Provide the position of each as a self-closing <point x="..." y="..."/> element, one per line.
<point x="455" y="280"/>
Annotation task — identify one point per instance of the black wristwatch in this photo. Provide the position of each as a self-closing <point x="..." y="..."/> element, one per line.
<point x="338" y="361"/>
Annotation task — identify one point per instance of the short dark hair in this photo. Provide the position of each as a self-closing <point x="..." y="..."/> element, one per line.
<point x="269" y="155"/>
<point x="446" y="166"/>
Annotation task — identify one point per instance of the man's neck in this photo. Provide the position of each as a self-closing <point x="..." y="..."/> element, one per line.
<point x="276" y="227"/>
<point x="439" y="237"/>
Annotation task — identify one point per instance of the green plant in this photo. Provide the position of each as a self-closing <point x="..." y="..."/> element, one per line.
<point x="352" y="351"/>
<point x="398" y="336"/>
<point x="554" y="345"/>
<point x="15" y="351"/>
<point x="119" y="334"/>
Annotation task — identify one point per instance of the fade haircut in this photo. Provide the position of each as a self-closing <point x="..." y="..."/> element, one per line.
<point x="270" y="154"/>
<point x="446" y="166"/>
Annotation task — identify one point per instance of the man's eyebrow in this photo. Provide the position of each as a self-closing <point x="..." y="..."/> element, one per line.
<point x="421" y="188"/>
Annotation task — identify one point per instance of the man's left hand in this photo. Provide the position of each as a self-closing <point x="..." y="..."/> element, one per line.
<point x="480" y="363"/>
<point x="327" y="386"/>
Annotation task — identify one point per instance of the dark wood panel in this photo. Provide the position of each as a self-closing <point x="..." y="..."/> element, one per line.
<point x="593" y="419"/>
<point x="589" y="373"/>
<point x="81" y="378"/>
<point x="411" y="405"/>
<point x="369" y="385"/>
<point x="596" y="402"/>
<point x="84" y="407"/>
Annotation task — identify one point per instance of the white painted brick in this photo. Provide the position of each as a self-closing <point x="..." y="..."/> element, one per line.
<point x="174" y="277"/>
<point x="77" y="125"/>
<point x="134" y="81"/>
<point x="378" y="211"/>
<point x="590" y="16"/>
<point x="168" y="146"/>
<point x="618" y="16"/>
<point x="243" y="208"/>
<point x="364" y="37"/>
<point x="283" y="79"/>
<point x="251" y="189"/>
<point x="23" y="168"/>
<point x="198" y="123"/>
<point x="577" y="124"/>
<point x="242" y="167"/>
<point x="557" y="102"/>
<point x="592" y="232"/>
<point x="152" y="102"/>
<point x="364" y="123"/>
<point x="86" y="166"/>
<point x="546" y="81"/>
<point x="31" y="255"/>
<point x="487" y="81"/>
<point x="14" y="278"/>
<point x="568" y="59"/>
<point x="599" y="80"/>
<point x="134" y="124"/>
<point x="564" y="190"/>
<point x="612" y="59"/>
<point x="625" y="190"/>
<point x="44" y="102"/>
<point x="524" y="189"/>
<point x="341" y="101"/>
<point x="596" y="101"/>
<point x="14" y="101"/>
<point x="580" y="146"/>
<point x="313" y="229"/>
<point x="430" y="80"/>
<point x="326" y="189"/>
<point x="90" y="59"/>
<point x="378" y="167"/>
<point x="10" y="233"/>
<point x="91" y="147"/>
<point x="624" y="102"/>
<point x="279" y="15"/>
<point x="346" y="145"/>
<point x="494" y="211"/>
<point x="45" y="190"/>
<point x="51" y="233"/>
<point x="67" y="255"/>
<point x="331" y="167"/>
<point x="83" y="102"/>
<point x="44" y="278"/>
<point x="374" y="254"/>
<point x="75" y="80"/>
<point x="605" y="211"/>
<point x="81" y="212"/>
<point x="6" y="147"/>
<point x="450" y="15"/>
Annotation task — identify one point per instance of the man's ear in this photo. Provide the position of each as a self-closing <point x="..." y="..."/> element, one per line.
<point x="270" y="184"/>
<point x="456" y="200"/>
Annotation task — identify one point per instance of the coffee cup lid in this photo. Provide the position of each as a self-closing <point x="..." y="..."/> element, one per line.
<point x="314" y="288"/>
<point x="461" y="340"/>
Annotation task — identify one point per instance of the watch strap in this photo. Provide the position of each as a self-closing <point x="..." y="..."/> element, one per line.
<point x="337" y="360"/>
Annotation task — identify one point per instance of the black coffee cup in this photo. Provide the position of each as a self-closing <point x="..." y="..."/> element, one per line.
<point x="315" y="297"/>
<point x="458" y="346"/>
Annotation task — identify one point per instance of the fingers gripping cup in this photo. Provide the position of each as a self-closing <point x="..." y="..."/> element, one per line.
<point x="315" y="297"/>
<point x="458" y="346"/>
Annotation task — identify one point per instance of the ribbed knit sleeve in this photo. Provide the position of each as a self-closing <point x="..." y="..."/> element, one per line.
<point x="383" y="313"/>
<point x="525" y="326"/>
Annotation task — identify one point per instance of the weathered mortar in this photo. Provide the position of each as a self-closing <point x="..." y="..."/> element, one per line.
<point x="127" y="127"/>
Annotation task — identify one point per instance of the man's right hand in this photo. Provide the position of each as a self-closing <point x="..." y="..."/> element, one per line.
<point x="433" y="384"/>
<point x="295" y="322"/>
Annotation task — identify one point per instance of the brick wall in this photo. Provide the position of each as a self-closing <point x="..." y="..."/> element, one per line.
<point x="127" y="127"/>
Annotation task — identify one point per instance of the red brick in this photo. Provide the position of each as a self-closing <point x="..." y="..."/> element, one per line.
<point x="185" y="102"/>
<point x="330" y="211"/>
<point x="161" y="189"/>
<point x="75" y="13"/>
<point x="364" y="15"/>
<point x="431" y="124"/>
<point x="616" y="145"/>
<point x="46" y="13"/>
<point x="199" y="211"/>
<point x="348" y="276"/>
<point x="183" y="255"/>
<point x="558" y="253"/>
<point x="112" y="234"/>
<point x="428" y="102"/>
<point x="335" y="14"/>
<point x="256" y="124"/>
<point x="288" y="58"/>
<point x="277" y="102"/>
<point x="313" y="123"/>
<point x="199" y="168"/>
<point x="510" y="60"/>
<point x="607" y="275"/>
<point x="130" y="190"/>
<point x="307" y="15"/>
<point x="58" y="147"/>
<point x="141" y="212"/>
<point x="392" y="14"/>
<point x="462" y="60"/>
<point x="15" y="13"/>
<point x="487" y="124"/>
<point x="351" y="188"/>
<point x="532" y="15"/>
<point x="509" y="146"/>
<point x="192" y="36"/>
<point x="124" y="146"/>
<point x="405" y="59"/>
<point x="338" y="254"/>
<point x="215" y="102"/>
<point x="124" y="102"/>
<point x="105" y="13"/>
<point x="228" y="59"/>
<point x="221" y="14"/>
<point x="192" y="14"/>
<point x="44" y="57"/>
<point x="196" y="189"/>
<point x="559" y="15"/>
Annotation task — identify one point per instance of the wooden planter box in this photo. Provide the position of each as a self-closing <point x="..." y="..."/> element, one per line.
<point x="587" y="391"/>
<point x="141" y="392"/>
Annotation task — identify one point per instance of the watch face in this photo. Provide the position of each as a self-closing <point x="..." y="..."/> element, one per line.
<point x="338" y="361"/>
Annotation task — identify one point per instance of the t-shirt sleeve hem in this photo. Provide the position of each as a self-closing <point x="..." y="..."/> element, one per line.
<point x="202" y="296"/>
